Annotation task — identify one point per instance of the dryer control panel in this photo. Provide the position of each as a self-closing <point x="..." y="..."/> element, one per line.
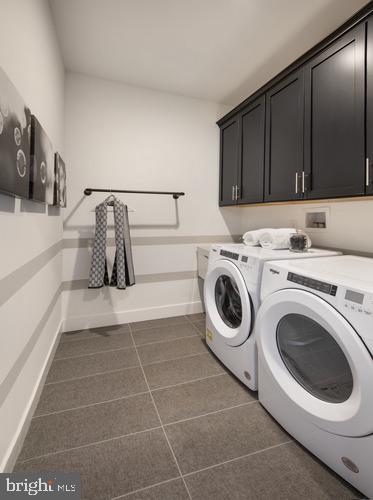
<point x="358" y="302"/>
<point x="320" y="286"/>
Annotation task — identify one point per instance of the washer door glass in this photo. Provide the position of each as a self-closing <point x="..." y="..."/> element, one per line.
<point x="228" y="301"/>
<point x="314" y="358"/>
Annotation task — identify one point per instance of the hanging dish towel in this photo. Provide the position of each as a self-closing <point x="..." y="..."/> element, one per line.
<point x="123" y="273"/>
<point x="251" y="238"/>
<point x="276" y="239"/>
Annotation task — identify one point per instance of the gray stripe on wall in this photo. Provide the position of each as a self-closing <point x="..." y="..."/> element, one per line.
<point x="140" y="279"/>
<point x="177" y="275"/>
<point x="13" y="282"/>
<point x="17" y="367"/>
<point x="156" y="240"/>
<point x="10" y="284"/>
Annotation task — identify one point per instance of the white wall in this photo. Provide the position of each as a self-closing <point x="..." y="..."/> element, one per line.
<point x="349" y="228"/>
<point x="30" y="56"/>
<point x="119" y="136"/>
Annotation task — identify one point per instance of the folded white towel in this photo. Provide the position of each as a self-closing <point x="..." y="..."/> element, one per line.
<point x="276" y="239"/>
<point x="251" y="238"/>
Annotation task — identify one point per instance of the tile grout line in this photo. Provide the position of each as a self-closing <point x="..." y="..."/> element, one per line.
<point x="159" y="326"/>
<point x="167" y="340"/>
<point x="57" y="452"/>
<point x="177" y="358"/>
<point x="92" y="353"/>
<point x="146" y="488"/>
<point x="129" y="368"/>
<point x="194" y="326"/>
<point x="204" y="469"/>
<point x="160" y="421"/>
<point x="92" y="375"/>
<point x="128" y="395"/>
<point x="126" y="348"/>
<point x="90" y="404"/>
<point x="189" y="381"/>
<point x="65" y="340"/>
<point x="153" y="390"/>
<point x="210" y="413"/>
<point x="238" y="458"/>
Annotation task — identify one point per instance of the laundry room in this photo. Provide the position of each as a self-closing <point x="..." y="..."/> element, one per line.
<point x="186" y="282"/>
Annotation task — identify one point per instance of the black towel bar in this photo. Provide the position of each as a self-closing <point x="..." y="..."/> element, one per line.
<point x="89" y="191"/>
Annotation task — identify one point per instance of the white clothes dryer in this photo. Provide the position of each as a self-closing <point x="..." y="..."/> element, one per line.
<point x="314" y="334"/>
<point x="232" y="298"/>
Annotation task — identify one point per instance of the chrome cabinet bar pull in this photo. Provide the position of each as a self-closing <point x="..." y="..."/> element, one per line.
<point x="367" y="172"/>
<point x="296" y="182"/>
<point x="233" y="193"/>
<point x="237" y="193"/>
<point x="303" y="183"/>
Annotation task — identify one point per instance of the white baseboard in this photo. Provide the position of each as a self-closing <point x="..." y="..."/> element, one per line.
<point x="120" y="317"/>
<point x="10" y="460"/>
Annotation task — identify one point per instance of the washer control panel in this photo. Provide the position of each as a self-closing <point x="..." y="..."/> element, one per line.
<point x="230" y="255"/>
<point x="320" y="286"/>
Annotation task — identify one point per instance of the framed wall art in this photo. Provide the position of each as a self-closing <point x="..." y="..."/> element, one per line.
<point x="15" y="135"/>
<point x="42" y="165"/>
<point x="60" y="181"/>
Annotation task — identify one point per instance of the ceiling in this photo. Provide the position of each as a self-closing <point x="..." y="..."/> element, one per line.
<point x="221" y="50"/>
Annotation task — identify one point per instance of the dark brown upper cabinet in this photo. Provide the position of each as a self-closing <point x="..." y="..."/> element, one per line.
<point x="242" y="156"/>
<point x="318" y="138"/>
<point x="228" y="161"/>
<point x="251" y="158"/>
<point x="284" y="139"/>
<point x="369" y="115"/>
<point x="334" y="160"/>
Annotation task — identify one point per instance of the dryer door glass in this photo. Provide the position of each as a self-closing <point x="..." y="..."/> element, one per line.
<point x="228" y="301"/>
<point x="314" y="358"/>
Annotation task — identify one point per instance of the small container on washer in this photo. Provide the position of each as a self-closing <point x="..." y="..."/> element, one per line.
<point x="299" y="242"/>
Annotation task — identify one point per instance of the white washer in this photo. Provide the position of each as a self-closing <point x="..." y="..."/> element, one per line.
<point x="232" y="298"/>
<point x="314" y="334"/>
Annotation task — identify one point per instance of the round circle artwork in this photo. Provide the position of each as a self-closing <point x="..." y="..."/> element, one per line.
<point x="17" y="136"/>
<point x="21" y="163"/>
<point x="1" y="123"/>
<point x="43" y="172"/>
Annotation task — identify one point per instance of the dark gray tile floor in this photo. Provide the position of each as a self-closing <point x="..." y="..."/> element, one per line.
<point x="144" y="411"/>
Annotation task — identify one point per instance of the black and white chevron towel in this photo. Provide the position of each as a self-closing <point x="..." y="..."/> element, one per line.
<point x="123" y="273"/>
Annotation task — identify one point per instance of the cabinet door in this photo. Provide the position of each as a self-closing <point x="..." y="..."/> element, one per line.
<point x="251" y="161"/>
<point x="228" y="161"/>
<point x="369" y="101"/>
<point x="334" y="119"/>
<point x="284" y="139"/>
